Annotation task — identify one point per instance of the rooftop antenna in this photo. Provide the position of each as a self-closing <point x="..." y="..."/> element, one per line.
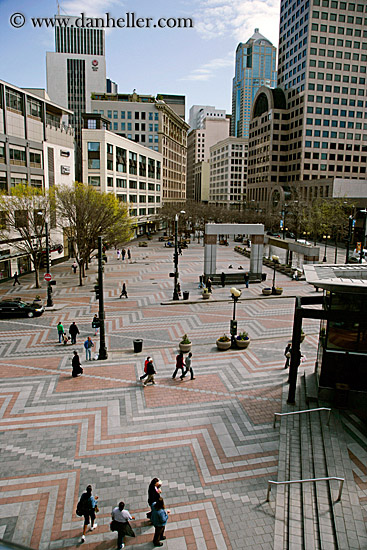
<point x="58" y="8"/>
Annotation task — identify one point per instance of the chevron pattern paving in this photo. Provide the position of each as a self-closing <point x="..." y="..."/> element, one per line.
<point x="210" y="440"/>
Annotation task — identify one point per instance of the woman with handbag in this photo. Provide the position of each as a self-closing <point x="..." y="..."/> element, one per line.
<point x="120" y="523"/>
<point x="154" y="493"/>
<point x="88" y="507"/>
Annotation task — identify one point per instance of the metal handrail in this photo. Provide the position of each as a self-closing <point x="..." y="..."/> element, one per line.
<point x="270" y="483"/>
<point x="305" y="411"/>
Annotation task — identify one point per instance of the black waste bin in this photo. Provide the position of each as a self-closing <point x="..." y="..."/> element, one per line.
<point x="186" y="294"/>
<point x="263" y="276"/>
<point x="138" y="345"/>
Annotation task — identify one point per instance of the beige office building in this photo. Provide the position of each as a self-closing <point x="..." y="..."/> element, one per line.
<point x="153" y="123"/>
<point x="228" y="172"/>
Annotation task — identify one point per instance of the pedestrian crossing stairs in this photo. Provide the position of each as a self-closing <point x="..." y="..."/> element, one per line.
<point x="309" y="515"/>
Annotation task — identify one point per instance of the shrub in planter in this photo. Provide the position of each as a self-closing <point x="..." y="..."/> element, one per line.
<point x="243" y="340"/>
<point x="185" y="344"/>
<point x="223" y="342"/>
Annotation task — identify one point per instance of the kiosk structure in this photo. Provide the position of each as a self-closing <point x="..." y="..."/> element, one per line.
<point x="255" y="232"/>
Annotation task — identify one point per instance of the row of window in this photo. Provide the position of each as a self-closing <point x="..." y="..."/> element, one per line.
<point x="138" y="115"/>
<point x="18" y="157"/>
<point x="351" y="6"/>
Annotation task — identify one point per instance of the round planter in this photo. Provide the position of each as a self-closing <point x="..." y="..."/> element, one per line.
<point x="278" y="291"/>
<point x="185" y="348"/>
<point x="205" y="295"/>
<point x="243" y="344"/>
<point x="223" y="345"/>
<point x="37" y="303"/>
<point x="266" y="291"/>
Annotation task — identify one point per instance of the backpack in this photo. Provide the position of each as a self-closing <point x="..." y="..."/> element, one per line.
<point x="83" y="505"/>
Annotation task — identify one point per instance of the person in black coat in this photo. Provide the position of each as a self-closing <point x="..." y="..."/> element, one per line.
<point x="77" y="368"/>
<point x="73" y="331"/>
<point x="154" y="492"/>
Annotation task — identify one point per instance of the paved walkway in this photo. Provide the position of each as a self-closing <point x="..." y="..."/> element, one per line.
<point x="210" y="440"/>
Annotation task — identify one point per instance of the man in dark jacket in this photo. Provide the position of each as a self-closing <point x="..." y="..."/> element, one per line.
<point x="77" y="368"/>
<point x="73" y="331"/>
<point x="179" y="364"/>
<point x="150" y="373"/>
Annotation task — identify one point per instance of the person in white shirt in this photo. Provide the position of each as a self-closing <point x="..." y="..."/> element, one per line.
<point x="120" y="523"/>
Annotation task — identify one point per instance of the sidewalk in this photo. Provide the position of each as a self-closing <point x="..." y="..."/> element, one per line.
<point x="211" y="440"/>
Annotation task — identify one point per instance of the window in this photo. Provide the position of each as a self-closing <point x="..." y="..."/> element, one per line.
<point x="121" y="183"/>
<point x="17" y="157"/>
<point x="14" y="100"/>
<point x="35" y="160"/>
<point x="120" y="159"/>
<point x="133" y="169"/>
<point x="94" y="180"/>
<point x="34" y="108"/>
<point x="142" y="165"/>
<point x="133" y="185"/>
<point x="142" y="185"/>
<point x="109" y="182"/>
<point x="123" y="114"/>
<point x="133" y="198"/>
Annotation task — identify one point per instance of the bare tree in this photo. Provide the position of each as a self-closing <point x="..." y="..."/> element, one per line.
<point x="88" y="214"/>
<point x="24" y="213"/>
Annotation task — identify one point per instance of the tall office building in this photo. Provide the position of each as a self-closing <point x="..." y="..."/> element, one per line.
<point x="199" y="113"/>
<point x="255" y="67"/>
<point x="210" y="130"/>
<point x="316" y="135"/>
<point x="75" y="70"/>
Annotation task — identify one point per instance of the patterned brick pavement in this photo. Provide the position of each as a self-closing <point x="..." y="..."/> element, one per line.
<point x="210" y="440"/>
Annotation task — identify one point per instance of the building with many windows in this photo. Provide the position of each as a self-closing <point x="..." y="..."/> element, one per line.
<point x="200" y="113"/>
<point x="255" y="67"/>
<point x="228" y="172"/>
<point x="114" y="164"/>
<point x="211" y="130"/>
<point x="153" y="123"/>
<point x="314" y="131"/>
<point x="36" y="149"/>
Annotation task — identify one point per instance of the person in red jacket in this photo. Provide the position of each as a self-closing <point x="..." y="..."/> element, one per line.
<point x="179" y="364"/>
<point x="145" y="367"/>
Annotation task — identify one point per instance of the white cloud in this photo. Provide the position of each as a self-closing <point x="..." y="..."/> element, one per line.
<point x="208" y="70"/>
<point x="91" y="9"/>
<point x="216" y="18"/>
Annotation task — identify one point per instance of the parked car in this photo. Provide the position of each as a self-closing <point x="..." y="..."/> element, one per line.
<point x="273" y="234"/>
<point x="290" y="235"/>
<point x="18" y="308"/>
<point x="355" y="260"/>
<point x="302" y="241"/>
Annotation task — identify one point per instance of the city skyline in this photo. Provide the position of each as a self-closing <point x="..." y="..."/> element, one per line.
<point x="197" y="62"/>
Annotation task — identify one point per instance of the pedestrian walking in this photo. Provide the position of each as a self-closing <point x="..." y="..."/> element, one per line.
<point x="188" y="368"/>
<point x="74" y="267"/>
<point x="287" y="354"/>
<point x="87" y="507"/>
<point x="180" y="250"/>
<point x="223" y="279"/>
<point x="150" y="373"/>
<point x="123" y="291"/>
<point x="96" y="323"/>
<point x="123" y="253"/>
<point x="159" y="520"/>
<point x="118" y="254"/>
<point x="120" y="523"/>
<point x="154" y="493"/>
<point x="88" y="345"/>
<point x="145" y="368"/>
<point x="73" y="331"/>
<point x="128" y="254"/>
<point x="209" y="285"/>
<point x="179" y="290"/>
<point x="60" y="331"/>
<point x="16" y="280"/>
<point x="179" y="364"/>
<point x="247" y="278"/>
<point x="77" y="367"/>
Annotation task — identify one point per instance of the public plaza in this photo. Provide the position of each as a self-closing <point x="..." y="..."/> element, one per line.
<point x="210" y="440"/>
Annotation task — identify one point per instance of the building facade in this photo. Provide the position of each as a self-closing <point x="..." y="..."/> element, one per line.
<point x="154" y="124"/>
<point x="323" y="118"/>
<point x="114" y="164"/>
<point x="199" y="113"/>
<point x="255" y="66"/>
<point x="228" y="172"/>
<point x="74" y="71"/>
<point x="199" y="141"/>
<point x="36" y="149"/>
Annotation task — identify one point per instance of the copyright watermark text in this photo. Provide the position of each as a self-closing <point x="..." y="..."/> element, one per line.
<point x="129" y="21"/>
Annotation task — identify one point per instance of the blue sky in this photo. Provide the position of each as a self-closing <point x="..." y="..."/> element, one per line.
<point x="197" y="62"/>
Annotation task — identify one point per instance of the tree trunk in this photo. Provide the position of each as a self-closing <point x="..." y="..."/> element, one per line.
<point x="80" y="275"/>
<point x="37" y="277"/>
<point x="83" y="270"/>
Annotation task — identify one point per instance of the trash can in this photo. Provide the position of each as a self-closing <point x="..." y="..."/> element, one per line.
<point x="138" y="345"/>
<point x="186" y="294"/>
<point x="263" y="276"/>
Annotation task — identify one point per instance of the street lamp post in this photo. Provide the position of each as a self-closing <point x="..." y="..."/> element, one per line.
<point x="350" y="229"/>
<point x="364" y="212"/>
<point x="175" y="258"/>
<point x="326" y="237"/>
<point x="50" y="302"/>
<point x="235" y="293"/>
<point x="275" y="260"/>
<point x="102" y="354"/>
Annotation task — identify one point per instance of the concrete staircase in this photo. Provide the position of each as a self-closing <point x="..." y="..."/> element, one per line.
<point x="308" y="515"/>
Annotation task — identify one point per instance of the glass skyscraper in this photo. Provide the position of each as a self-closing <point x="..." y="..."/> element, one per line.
<point x="255" y="67"/>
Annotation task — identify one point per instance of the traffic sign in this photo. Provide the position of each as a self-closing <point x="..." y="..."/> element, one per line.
<point x="47" y="277"/>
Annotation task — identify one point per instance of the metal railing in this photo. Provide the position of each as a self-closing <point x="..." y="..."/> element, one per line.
<point x="341" y="479"/>
<point x="305" y="411"/>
